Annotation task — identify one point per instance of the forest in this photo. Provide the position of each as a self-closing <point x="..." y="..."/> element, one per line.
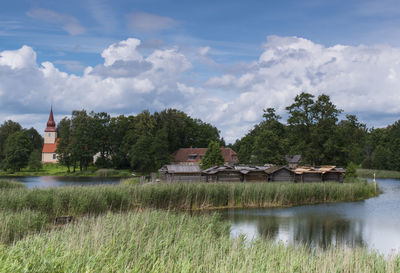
<point x="146" y="141"/>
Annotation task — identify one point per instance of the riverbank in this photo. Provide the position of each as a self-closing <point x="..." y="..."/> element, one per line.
<point x="369" y="173"/>
<point x="160" y="241"/>
<point x="28" y="207"/>
<point x="59" y="170"/>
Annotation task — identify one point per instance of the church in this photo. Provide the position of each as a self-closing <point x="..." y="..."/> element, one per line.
<point x="50" y="141"/>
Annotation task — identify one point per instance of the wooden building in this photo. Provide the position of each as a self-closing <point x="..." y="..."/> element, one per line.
<point x="319" y="174"/>
<point x="181" y="173"/>
<point x="280" y="174"/>
<point x="223" y="174"/>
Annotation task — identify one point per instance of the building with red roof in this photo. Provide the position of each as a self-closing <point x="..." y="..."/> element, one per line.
<point x="193" y="156"/>
<point x="50" y="141"/>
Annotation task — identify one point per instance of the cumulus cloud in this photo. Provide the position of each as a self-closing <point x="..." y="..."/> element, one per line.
<point x="141" y="21"/>
<point x="69" y="23"/>
<point x="360" y="79"/>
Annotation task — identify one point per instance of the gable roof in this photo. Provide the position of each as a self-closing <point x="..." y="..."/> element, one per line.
<point x="174" y="168"/>
<point x="182" y="155"/>
<point x="277" y="168"/>
<point x="293" y="159"/>
<point x="50" y="147"/>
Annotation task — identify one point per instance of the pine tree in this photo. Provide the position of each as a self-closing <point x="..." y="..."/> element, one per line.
<point x="213" y="156"/>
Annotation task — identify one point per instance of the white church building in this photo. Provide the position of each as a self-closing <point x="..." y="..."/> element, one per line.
<point x="50" y="141"/>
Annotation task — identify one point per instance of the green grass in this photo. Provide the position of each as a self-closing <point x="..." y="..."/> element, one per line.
<point x="159" y="241"/>
<point x="15" y="225"/>
<point x="9" y="184"/>
<point x="369" y="173"/>
<point x="59" y="170"/>
<point x="80" y="200"/>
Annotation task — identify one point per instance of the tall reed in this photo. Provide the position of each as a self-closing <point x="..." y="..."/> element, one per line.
<point x="181" y="196"/>
<point x="159" y="241"/>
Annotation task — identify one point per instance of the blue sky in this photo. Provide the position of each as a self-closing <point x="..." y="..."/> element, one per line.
<point x="221" y="61"/>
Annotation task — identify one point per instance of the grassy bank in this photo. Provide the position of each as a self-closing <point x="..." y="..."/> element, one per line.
<point x="59" y="170"/>
<point x="31" y="210"/>
<point x="159" y="241"/>
<point x="369" y="173"/>
<point x="179" y="196"/>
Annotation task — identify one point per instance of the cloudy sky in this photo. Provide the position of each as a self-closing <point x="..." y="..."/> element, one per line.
<point x="220" y="61"/>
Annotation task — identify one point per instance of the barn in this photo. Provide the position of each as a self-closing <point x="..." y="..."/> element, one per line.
<point x="280" y="174"/>
<point x="181" y="173"/>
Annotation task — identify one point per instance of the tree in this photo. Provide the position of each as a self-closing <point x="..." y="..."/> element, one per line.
<point x="351" y="170"/>
<point x="213" y="156"/>
<point x="142" y="159"/>
<point x="64" y="143"/>
<point x="17" y="150"/>
<point x="34" y="162"/>
<point x="6" y="129"/>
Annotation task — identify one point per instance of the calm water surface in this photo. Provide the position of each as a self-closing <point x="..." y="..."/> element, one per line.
<point x="374" y="223"/>
<point x="59" y="181"/>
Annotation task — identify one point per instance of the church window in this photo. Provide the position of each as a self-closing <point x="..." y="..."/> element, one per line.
<point x="54" y="156"/>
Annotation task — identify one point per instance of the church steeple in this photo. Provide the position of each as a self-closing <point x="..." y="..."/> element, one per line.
<point x="51" y="124"/>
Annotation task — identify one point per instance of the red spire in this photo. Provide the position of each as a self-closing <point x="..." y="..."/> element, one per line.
<point x="51" y="124"/>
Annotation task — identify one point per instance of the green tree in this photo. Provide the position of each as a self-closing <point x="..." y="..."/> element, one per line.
<point x="6" y="129"/>
<point x="64" y="143"/>
<point x="213" y="156"/>
<point x="34" y="163"/>
<point x="17" y="150"/>
<point x="142" y="159"/>
<point x="351" y="170"/>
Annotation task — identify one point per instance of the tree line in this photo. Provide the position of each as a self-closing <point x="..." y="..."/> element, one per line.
<point x="144" y="142"/>
<point x="314" y="131"/>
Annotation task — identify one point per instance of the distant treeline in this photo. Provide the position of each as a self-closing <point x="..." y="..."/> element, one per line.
<point x="143" y="142"/>
<point x="314" y="131"/>
<point x="146" y="141"/>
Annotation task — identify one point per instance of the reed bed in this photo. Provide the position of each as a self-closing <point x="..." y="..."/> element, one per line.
<point x="9" y="184"/>
<point x="160" y="241"/>
<point x="82" y="200"/>
<point x="16" y="225"/>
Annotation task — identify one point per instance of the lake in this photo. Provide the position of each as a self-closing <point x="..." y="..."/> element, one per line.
<point x="373" y="223"/>
<point x="59" y="181"/>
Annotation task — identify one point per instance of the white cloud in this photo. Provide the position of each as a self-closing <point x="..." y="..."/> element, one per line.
<point x="141" y="21"/>
<point x="124" y="51"/>
<point x="69" y="23"/>
<point x="18" y="59"/>
<point x="360" y="79"/>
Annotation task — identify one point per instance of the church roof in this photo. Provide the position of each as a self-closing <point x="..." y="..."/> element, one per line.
<point x="50" y="147"/>
<point x="51" y="124"/>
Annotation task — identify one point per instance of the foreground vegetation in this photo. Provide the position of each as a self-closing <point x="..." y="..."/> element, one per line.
<point x="369" y="173"/>
<point x="159" y="241"/>
<point x="31" y="210"/>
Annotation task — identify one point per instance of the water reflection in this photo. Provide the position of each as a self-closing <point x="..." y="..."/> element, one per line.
<point x="321" y="231"/>
<point x="372" y="223"/>
<point x="60" y="181"/>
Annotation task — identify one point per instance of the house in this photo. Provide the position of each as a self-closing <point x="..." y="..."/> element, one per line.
<point x="177" y="173"/>
<point x="50" y="141"/>
<point x="193" y="156"/>
<point x="228" y="173"/>
<point x="293" y="161"/>
<point x="280" y="174"/>
<point x="223" y="174"/>
<point x="319" y="174"/>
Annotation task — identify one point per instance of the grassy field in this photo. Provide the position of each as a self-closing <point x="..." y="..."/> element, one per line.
<point x="369" y="173"/>
<point x="59" y="170"/>
<point x="160" y="241"/>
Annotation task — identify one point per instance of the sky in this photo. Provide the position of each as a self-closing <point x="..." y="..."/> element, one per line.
<point x="220" y="61"/>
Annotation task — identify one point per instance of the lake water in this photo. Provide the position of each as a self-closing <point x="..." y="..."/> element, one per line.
<point x="374" y="223"/>
<point x="59" y="181"/>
